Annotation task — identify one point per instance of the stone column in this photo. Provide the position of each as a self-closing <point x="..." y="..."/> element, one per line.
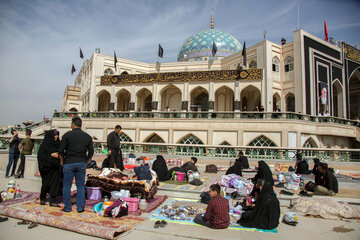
<point x="211" y="97"/>
<point x="112" y="98"/>
<point x="237" y="102"/>
<point x="132" y="99"/>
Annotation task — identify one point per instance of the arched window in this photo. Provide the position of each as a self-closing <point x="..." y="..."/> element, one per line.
<point x="290" y="102"/>
<point x="262" y="141"/>
<point x="275" y="64"/>
<point x="289" y="64"/>
<point x="108" y="71"/>
<point x="154" y="138"/>
<point x="309" y="144"/>
<point x="193" y="140"/>
<point x="253" y="64"/>
<point x="225" y="152"/>
<point x="124" y="72"/>
<point x="124" y="137"/>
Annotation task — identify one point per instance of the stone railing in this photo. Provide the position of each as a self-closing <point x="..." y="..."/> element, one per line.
<point x="221" y="151"/>
<point x="212" y="115"/>
<point x="23" y="129"/>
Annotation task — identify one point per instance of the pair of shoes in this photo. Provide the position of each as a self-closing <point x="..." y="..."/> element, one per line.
<point x="42" y="202"/>
<point x="53" y="205"/>
<point x="23" y="222"/>
<point x="64" y="210"/>
<point x="32" y="225"/>
<point x="3" y="219"/>
<point x="157" y="224"/>
<point x="80" y="211"/>
<point x="286" y="192"/>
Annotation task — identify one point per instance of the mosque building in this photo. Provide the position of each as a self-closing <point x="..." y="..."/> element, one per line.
<point x="211" y="98"/>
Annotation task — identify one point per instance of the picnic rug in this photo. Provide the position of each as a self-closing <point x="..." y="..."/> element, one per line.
<point x="155" y="216"/>
<point x="28" y="208"/>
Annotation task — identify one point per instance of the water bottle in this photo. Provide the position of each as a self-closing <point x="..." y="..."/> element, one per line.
<point x="17" y="191"/>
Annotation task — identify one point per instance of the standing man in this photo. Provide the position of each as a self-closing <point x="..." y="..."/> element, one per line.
<point x="76" y="150"/>
<point x="14" y="153"/>
<point x="217" y="211"/>
<point x="26" y="145"/>
<point x="113" y="143"/>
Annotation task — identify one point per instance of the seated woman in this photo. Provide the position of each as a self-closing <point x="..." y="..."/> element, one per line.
<point x="190" y="165"/>
<point x="266" y="213"/>
<point x="250" y="202"/>
<point x="235" y="169"/>
<point x="302" y="167"/>
<point x="263" y="171"/>
<point x="161" y="169"/>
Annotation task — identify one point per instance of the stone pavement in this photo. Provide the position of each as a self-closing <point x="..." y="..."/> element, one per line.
<point x="310" y="228"/>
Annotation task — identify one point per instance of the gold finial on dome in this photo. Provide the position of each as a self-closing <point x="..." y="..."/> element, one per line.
<point x="212" y="19"/>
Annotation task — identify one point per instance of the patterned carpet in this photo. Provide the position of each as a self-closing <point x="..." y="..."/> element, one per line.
<point x="155" y="216"/>
<point x="89" y="223"/>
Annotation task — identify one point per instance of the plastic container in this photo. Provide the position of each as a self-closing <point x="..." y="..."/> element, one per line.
<point x="143" y="204"/>
<point x="180" y="176"/>
<point x="93" y="193"/>
<point x="107" y="204"/>
<point x="132" y="203"/>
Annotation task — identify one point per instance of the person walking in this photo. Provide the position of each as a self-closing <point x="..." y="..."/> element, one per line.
<point x="113" y="143"/>
<point x="75" y="151"/>
<point x="14" y="153"/>
<point x="26" y="146"/>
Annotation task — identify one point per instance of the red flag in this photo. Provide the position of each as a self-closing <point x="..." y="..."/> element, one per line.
<point x="326" y="31"/>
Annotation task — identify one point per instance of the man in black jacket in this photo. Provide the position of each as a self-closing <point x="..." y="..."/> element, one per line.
<point x="75" y="151"/>
<point x="113" y="143"/>
<point x="327" y="184"/>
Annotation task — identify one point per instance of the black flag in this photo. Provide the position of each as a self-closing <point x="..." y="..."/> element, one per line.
<point x="214" y="49"/>
<point x="81" y="54"/>
<point x="160" y="51"/>
<point x="73" y="69"/>
<point x="244" y="54"/>
<point x="115" y="60"/>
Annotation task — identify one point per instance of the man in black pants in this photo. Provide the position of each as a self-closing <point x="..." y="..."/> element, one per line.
<point x="113" y="143"/>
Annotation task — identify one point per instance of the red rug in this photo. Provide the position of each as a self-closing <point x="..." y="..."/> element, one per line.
<point x="89" y="223"/>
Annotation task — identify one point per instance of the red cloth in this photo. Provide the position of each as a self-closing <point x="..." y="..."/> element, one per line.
<point x="326" y="31"/>
<point x="217" y="212"/>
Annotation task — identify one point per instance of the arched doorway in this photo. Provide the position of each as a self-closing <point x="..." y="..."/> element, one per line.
<point x="144" y="99"/>
<point x="252" y="96"/>
<point x="276" y="101"/>
<point x="103" y="101"/>
<point x="199" y="99"/>
<point x="290" y="102"/>
<point x="354" y="92"/>
<point x="123" y="100"/>
<point x="338" y="110"/>
<point x="171" y="97"/>
<point x="224" y="99"/>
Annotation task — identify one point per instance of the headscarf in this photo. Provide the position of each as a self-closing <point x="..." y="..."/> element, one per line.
<point x="266" y="213"/>
<point x="47" y="147"/>
<point x="161" y="169"/>
<point x="236" y="168"/>
<point x="264" y="172"/>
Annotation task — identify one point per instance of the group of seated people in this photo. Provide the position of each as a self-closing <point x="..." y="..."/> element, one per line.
<point x="325" y="181"/>
<point x="262" y="208"/>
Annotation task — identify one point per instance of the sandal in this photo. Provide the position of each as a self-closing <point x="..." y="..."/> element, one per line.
<point x="23" y="222"/>
<point x="163" y="223"/>
<point x="157" y="224"/>
<point x="33" y="225"/>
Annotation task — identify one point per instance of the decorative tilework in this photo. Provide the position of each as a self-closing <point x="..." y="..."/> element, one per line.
<point x="200" y="45"/>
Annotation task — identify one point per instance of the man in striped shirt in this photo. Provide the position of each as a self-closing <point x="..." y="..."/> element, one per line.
<point x="217" y="212"/>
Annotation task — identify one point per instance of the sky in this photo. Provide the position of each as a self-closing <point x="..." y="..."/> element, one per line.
<point x="40" y="40"/>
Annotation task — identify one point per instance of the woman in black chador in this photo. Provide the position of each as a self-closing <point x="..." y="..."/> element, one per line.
<point x="161" y="169"/>
<point x="49" y="166"/>
<point x="235" y="169"/>
<point x="264" y="172"/>
<point x="266" y="213"/>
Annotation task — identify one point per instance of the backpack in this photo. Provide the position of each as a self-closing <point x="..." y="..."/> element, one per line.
<point x="212" y="168"/>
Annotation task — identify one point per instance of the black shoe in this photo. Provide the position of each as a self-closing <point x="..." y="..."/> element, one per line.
<point x="65" y="210"/>
<point x="286" y="192"/>
<point x="80" y="211"/>
<point x="3" y="219"/>
<point x="305" y="194"/>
